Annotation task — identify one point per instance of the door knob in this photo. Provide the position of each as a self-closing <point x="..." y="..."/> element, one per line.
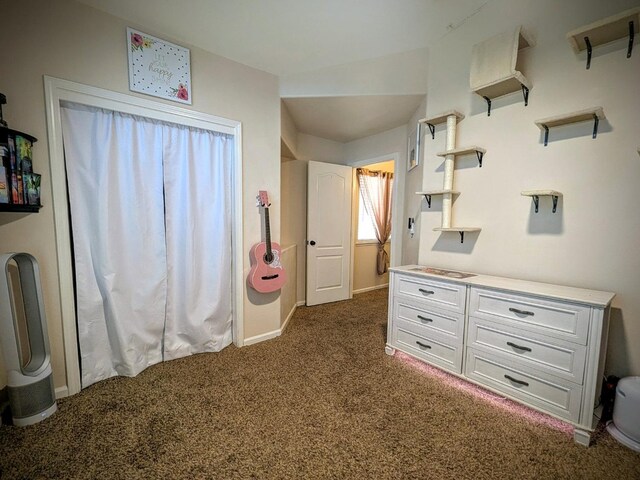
<point x="312" y="243"/>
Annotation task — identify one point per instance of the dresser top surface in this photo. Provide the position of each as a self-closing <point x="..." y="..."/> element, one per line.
<point x="560" y="292"/>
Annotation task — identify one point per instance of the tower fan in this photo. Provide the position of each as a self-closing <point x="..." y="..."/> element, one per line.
<point x="24" y="340"/>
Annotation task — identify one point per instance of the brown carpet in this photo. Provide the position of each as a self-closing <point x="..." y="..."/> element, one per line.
<point x="322" y="401"/>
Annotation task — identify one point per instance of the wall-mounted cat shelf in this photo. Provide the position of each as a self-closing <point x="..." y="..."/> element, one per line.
<point x="495" y="70"/>
<point x="605" y="31"/>
<point x="427" y="195"/>
<point x="595" y="113"/>
<point x="460" y="230"/>
<point x="438" y="119"/>
<point x="536" y="194"/>
<point x="458" y="152"/>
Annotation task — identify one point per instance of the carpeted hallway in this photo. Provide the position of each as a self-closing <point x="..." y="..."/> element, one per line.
<point x="322" y="401"/>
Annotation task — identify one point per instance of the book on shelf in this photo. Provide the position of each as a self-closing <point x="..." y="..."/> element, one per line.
<point x="4" y="187"/>
<point x="19" y="185"/>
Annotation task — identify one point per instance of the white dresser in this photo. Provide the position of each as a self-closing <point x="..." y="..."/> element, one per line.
<point x="539" y="344"/>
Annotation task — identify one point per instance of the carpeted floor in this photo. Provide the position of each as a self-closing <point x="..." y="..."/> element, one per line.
<point x="321" y="401"/>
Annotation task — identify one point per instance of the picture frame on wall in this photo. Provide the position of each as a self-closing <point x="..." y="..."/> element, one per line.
<point x="158" y="67"/>
<point x="413" y="149"/>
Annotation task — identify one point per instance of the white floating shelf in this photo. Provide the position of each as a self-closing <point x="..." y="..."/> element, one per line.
<point x="594" y="113"/>
<point x="438" y="119"/>
<point x="438" y="192"/>
<point x="504" y="86"/>
<point x="428" y="194"/>
<point x="624" y="24"/>
<point x="441" y="118"/>
<point x="536" y="194"/>
<point x="460" y="230"/>
<point x="479" y="151"/>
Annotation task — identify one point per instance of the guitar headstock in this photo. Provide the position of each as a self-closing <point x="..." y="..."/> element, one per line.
<point x="263" y="199"/>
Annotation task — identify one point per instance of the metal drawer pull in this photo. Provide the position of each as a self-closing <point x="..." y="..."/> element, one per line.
<point x="521" y="312"/>
<point x="425" y="319"/>
<point x="429" y="292"/>
<point x="515" y="380"/>
<point x="423" y="345"/>
<point x="526" y="349"/>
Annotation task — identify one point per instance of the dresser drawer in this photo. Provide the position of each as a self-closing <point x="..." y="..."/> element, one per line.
<point x="557" y="357"/>
<point x="420" y="318"/>
<point x="556" y="319"/>
<point x="429" y="347"/>
<point x="549" y="393"/>
<point x="449" y="296"/>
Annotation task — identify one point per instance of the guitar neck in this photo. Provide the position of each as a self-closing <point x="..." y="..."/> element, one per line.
<point x="268" y="230"/>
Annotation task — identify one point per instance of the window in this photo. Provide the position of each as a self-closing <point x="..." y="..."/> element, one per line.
<point x="366" y="223"/>
<point x="366" y="230"/>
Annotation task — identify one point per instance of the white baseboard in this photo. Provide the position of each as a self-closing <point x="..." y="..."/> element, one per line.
<point x="301" y="303"/>
<point x="62" y="392"/>
<point x="286" y="321"/>
<point x="368" y="289"/>
<point x="275" y="333"/>
<point x="262" y="337"/>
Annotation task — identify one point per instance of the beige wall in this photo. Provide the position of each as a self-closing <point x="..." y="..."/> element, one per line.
<point x="294" y="217"/>
<point x="365" y="275"/>
<point x="74" y="42"/>
<point x="288" y="292"/>
<point x="592" y="241"/>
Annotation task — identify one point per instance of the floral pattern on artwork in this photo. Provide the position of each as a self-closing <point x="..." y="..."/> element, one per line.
<point x="180" y="92"/>
<point x="139" y="42"/>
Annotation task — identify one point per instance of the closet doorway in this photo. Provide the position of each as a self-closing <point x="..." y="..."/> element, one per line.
<point x="187" y="128"/>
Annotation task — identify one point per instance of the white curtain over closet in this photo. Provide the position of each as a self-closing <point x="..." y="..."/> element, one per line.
<point x="151" y="225"/>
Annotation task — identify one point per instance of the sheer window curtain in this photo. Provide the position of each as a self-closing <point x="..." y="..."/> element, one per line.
<point x="376" y="188"/>
<point x="150" y="218"/>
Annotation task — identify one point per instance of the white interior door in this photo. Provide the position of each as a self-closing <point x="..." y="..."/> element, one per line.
<point x="328" y="232"/>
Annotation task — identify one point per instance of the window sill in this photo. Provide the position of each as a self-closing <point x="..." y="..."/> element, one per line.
<point x="368" y="242"/>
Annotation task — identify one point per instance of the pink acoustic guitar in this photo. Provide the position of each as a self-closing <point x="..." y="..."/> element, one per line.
<point x="267" y="273"/>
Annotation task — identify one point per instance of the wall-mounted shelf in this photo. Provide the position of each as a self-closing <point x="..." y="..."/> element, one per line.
<point x="479" y="151"/>
<point x="460" y="230"/>
<point x="625" y="24"/>
<point x="536" y="194"/>
<point x="10" y="208"/>
<point x="438" y="119"/>
<point x="428" y="194"/>
<point x="595" y="113"/>
<point x="495" y="69"/>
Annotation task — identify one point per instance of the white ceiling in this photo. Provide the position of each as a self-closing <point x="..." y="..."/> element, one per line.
<point x="286" y="37"/>
<point x="343" y="119"/>
<point x="291" y="36"/>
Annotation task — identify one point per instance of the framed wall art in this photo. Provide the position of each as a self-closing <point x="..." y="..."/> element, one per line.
<point x="158" y="67"/>
<point x="413" y="149"/>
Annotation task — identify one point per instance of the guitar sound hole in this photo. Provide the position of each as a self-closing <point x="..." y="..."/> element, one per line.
<point x="268" y="258"/>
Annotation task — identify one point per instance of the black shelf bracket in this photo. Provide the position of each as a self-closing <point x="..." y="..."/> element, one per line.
<point x="546" y="135"/>
<point x="536" y="202"/>
<point x="488" y="105"/>
<point x="432" y="129"/>
<point x="589" y="51"/>
<point x="479" y="154"/>
<point x="428" y="199"/>
<point x="461" y="237"/>
<point x="631" y="34"/>
<point x="525" y="94"/>
<point x="596" y="121"/>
